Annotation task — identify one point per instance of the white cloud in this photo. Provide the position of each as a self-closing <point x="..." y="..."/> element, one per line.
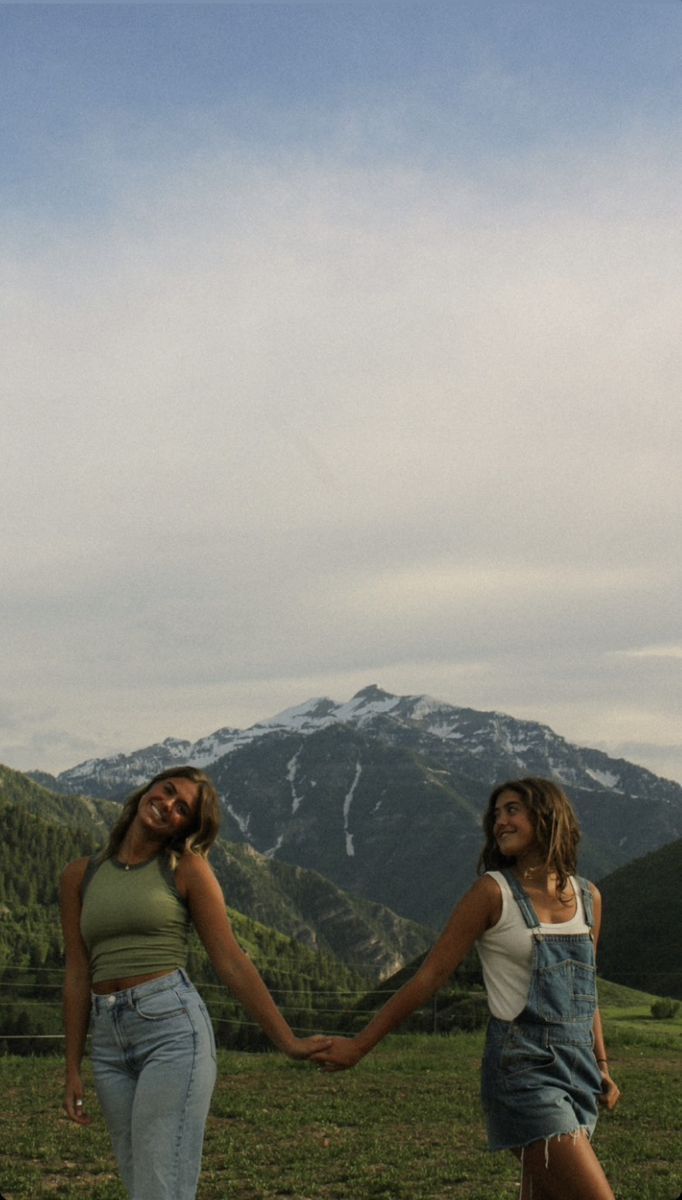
<point x="276" y="424"/>
<point x="671" y="652"/>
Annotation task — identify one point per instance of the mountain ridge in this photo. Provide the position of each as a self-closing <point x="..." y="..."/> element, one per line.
<point x="384" y="794"/>
<point x="519" y="739"/>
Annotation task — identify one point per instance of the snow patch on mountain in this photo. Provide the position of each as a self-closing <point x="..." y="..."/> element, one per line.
<point x="348" y="800"/>
<point x="243" y="822"/>
<point x="425" y="706"/>
<point x="314" y="714"/>
<point x="208" y="749"/>
<point x="605" y="779"/>
<point x="292" y="768"/>
<point x="443" y="729"/>
<point x="363" y="707"/>
<point x="273" y="849"/>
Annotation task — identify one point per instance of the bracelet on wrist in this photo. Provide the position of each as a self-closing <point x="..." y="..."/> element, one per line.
<point x="605" y="1061"/>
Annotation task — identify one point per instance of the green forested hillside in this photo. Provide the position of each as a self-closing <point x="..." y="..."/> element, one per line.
<point x="43" y="832"/>
<point x="299" y="903"/>
<point x="81" y="812"/>
<point x="313" y="990"/>
<point x="315" y="911"/>
<point x="33" y="853"/>
<point x="641" y="940"/>
<point x="460" y="1004"/>
<point x="310" y="986"/>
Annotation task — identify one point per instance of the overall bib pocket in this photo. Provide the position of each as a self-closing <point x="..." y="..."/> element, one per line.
<point x="566" y="991"/>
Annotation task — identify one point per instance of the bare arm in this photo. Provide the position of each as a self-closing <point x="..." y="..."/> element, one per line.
<point x="232" y="966"/>
<point x="76" y="988"/>
<point x="477" y="911"/>
<point x="610" y="1090"/>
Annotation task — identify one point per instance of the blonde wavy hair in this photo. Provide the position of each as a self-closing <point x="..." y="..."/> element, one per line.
<point x="203" y="832"/>
<point x="554" y="821"/>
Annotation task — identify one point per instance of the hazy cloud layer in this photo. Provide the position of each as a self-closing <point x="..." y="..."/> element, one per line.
<point x="285" y="424"/>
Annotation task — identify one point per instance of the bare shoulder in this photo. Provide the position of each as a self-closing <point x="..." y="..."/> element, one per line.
<point x="194" y="873"/>
<point x="481" y="906"/>
<point x="486" y="885"/>
<point x="74" y="873"/>
<point x="70" y="901"/>
<point x="596" y="902"/>
<point x="488" y="893"/>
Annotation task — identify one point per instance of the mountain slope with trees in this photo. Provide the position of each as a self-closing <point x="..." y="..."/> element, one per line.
<point x="45" y="831"/>
<point x="641" y="941"/>
<point x="310" y="983"/>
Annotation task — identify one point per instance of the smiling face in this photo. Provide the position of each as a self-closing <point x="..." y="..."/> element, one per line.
<point x="513" y="826"/>
<point x="532" y="819"/>
<point x="168" y="809"/>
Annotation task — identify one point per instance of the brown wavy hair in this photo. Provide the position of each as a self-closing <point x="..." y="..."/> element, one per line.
<point x="555" y="823"/>
<point x="198" y="838"/>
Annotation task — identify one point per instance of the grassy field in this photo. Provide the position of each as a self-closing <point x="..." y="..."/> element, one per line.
<point x="405" y="1125"/>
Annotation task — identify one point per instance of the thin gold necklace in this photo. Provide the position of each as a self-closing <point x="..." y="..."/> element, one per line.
<point x="529" y="871"/>
<point x="127" y="866"/>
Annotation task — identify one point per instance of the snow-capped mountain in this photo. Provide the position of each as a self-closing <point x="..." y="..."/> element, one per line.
<point x="485" y="744"/>
<point x="383" y="794"/>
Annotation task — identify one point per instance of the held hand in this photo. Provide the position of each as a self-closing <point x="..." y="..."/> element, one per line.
<point x="73" y="1102"/>
<point x="610" y="1092"/>
<point x="308" y="1047"/>
<point x="342" y="1054"/>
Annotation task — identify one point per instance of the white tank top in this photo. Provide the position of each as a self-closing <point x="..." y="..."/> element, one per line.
<point x="506" y="951"/>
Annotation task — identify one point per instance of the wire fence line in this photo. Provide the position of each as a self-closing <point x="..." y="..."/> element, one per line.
<point x="299" y="1003"/>
<point x="360" y="967"/>
<point x="328" y="1016"/>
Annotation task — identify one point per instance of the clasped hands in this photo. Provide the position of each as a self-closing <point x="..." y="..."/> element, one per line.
<point x="339" y="1054"/>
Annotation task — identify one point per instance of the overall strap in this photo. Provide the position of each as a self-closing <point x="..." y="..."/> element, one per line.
<point x="524" y="902"/>
<point x="526" y="906"/>
<point x="587" y="899"/>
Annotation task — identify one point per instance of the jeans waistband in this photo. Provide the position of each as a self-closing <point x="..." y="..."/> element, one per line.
<point x="128" y="996"/>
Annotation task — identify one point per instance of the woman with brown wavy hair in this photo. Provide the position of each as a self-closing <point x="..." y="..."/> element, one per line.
<point x="535" y="924"/>
<point x="126" y="915"/>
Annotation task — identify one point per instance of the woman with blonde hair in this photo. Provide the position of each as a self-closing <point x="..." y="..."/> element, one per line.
<point x="126" y="916"/>
<point x="536" y="926"/>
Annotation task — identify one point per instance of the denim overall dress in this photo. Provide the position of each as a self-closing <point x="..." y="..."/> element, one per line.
<point x="540" y="1078"/>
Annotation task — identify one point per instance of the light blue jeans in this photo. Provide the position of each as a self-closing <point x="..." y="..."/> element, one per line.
<point x="154" y="1062"/>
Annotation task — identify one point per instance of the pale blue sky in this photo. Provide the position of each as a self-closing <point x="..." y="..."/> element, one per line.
<point x="441" y="82"/>
<point x="341" y="345"/>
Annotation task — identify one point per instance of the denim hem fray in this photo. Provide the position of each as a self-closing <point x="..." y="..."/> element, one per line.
<point x="574" y="1134"/>
<point x="588" y="1130"/>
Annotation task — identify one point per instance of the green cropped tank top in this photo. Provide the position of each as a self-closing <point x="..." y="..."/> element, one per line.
<point x="133" y="919"/>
